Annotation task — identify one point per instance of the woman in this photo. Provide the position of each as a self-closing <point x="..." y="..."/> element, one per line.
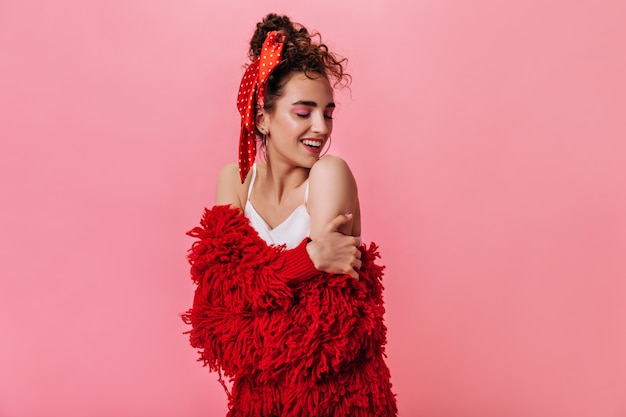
<point x="289" y="303"/>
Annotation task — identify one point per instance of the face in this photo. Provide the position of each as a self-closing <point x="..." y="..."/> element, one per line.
<point x="301" y="122"/>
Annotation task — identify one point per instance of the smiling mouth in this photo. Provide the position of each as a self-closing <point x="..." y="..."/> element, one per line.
<point x="316" y="144"/>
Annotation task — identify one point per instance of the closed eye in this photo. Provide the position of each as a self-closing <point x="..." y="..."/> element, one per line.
<point x="327" y="116"/>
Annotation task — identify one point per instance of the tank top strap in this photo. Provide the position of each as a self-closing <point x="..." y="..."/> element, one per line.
<point x="252" y="181"/>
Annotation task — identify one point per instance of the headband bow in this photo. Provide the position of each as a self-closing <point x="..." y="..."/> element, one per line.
<point x="252" y="93"/>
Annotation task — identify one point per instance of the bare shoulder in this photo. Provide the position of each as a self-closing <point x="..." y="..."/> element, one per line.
<point x="331" y="168"/>
<point x="228" y="172"/>
<point x="229" y="188"/>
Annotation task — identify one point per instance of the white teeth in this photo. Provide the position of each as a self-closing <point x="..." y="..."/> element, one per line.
<point x="314" y="143"/>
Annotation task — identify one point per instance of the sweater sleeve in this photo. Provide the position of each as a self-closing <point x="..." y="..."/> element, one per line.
<point x="297" y="266"/>
<point x="243" y="288"/>
<point x="265" y="315"/>
<point x="267" y="311"/>
<point x="333" y="323"/>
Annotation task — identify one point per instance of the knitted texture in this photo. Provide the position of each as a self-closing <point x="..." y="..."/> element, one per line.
<point x="293" y="340"/>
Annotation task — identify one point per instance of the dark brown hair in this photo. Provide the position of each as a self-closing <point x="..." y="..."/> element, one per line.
<point x="300" y="54"/>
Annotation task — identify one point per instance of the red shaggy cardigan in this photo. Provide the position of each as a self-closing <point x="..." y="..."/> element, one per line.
<point x="294" y="341"/>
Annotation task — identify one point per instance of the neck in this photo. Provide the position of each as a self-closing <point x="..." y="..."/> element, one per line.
<point x="279" y="179"/>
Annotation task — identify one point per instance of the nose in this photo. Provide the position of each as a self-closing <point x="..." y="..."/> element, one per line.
<point x="320" y="124"/>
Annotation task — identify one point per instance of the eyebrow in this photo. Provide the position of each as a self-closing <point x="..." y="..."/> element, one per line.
<point x="311" y="104"/>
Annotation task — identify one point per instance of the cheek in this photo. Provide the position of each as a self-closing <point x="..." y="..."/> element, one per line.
<point x="292" y="125"/>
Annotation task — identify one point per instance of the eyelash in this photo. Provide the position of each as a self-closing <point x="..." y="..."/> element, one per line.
<point x="304" y="116"/>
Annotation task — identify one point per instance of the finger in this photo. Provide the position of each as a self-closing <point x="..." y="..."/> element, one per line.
<point x="357" y="264"/>
<point x="340" y="220"/>
<point x="353" y="274"/>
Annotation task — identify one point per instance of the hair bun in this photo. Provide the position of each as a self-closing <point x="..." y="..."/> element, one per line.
<point x="270" y="23"/>
<point x="302" y="52"/>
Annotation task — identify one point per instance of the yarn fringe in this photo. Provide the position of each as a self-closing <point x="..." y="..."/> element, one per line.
<point x="311" y="346"/>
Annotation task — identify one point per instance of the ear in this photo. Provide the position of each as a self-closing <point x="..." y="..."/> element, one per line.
<point x="262" y="121"/>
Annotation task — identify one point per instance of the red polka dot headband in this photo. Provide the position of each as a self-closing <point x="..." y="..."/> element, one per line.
<point x="252" y="96"/>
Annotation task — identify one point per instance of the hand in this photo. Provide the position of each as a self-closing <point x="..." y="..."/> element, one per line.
<point x="334" y="252"/>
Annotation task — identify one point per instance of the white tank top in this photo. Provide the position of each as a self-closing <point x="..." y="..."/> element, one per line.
<point x="290" y="232"/>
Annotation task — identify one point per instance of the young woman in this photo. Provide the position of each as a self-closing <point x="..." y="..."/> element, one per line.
<point x="289" y="306"/>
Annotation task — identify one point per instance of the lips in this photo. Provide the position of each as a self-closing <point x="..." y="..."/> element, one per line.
<point x="313" y="145"/>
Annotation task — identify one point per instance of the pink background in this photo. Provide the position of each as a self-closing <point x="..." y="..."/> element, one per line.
<point x="488" y="139"/>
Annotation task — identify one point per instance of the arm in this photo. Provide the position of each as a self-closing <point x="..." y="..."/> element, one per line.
<point x="333" y="191"/>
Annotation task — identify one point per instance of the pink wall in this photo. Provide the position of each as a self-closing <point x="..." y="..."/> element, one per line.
<point x="488" y="139"/>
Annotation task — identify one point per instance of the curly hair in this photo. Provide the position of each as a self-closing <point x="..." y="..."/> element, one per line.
<point x="300" y="54"/>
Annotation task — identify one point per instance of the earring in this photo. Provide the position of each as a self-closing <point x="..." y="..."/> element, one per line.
<point x="327" y="149"/>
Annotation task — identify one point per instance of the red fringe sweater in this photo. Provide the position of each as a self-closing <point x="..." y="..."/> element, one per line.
<point x="293" y="340"/>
